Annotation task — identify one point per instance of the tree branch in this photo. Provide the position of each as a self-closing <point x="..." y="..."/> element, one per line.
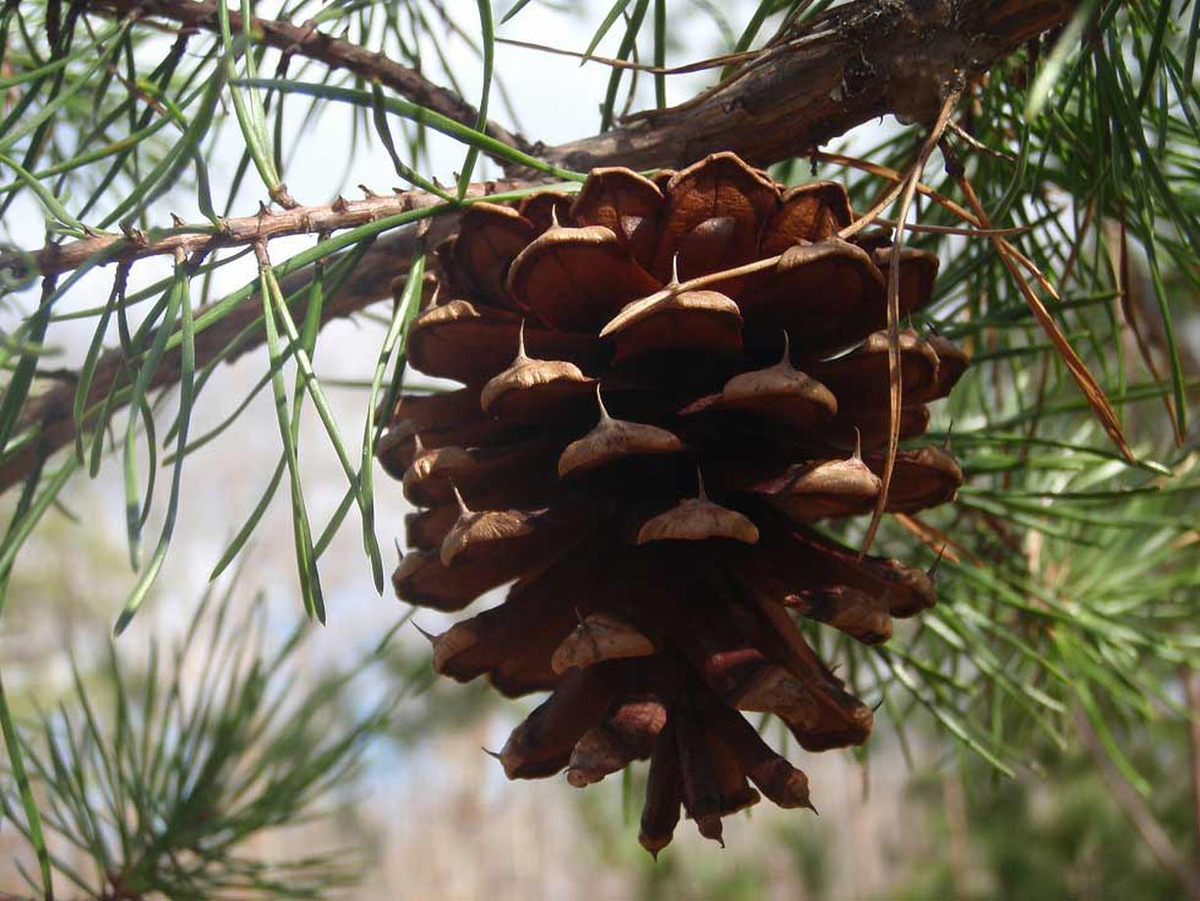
<point x="305" y="40"/>
<point x="855" y="63"/>
<point x="858" y="62"/>
<point x="1137" y="810"/>
<point x="861" y="60"/>
<point x="1191" y="691"/>
<point x="51" y="412"/>
<point x="266" y="224"/>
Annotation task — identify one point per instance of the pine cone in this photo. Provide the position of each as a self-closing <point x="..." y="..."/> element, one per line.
<point x="646" y="462"/>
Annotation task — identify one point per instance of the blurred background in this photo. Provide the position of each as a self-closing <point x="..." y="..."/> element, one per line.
<point x="416" y="808"/>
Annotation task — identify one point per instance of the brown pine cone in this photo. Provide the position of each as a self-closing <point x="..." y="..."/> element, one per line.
<point x="645" y="461"/>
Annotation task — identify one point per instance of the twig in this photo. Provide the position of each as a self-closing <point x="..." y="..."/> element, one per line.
<point x="51" y="412"/>
<point x="307" y="41"/>
<point x="920" y="228"/>
<point x="976" y="144"/>
<point x="893" y="313"/>
<point x="1092" y="391"/>
<point x="1137" y="810"/>
<point x="937" y="540"/>
<point x="245" y="230"/>
<point x="890" y="174"/>
<point x="1128" y="292"/>
<point x="1191" y="691"/>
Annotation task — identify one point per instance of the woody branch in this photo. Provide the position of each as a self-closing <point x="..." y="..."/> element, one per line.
<point x="308" y="41"/>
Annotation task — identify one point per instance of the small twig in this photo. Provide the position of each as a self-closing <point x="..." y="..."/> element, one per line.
<point x="307" y="41"/>
<point x="893" y="311"/>
<point x="786" y="26"/>
<point x="1092" y="391"/>
<point x="977" y="144"/>
<point x="1191" y="691"/>
<point x="1137" y="810"/>
<point x="1044" y="375"/>
<point x="264" y="225"/>
<point x="1126" y="289"/>
<point x="937" y="540"/>
<point x="966" y="215"/>
<point x="1081" y="234"/>
<point x="894" y="176"/>
<point x="702" y="65"/>
<point x="955" y="230"/>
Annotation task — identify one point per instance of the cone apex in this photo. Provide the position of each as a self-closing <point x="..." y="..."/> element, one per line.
<point x="674" y="282"/>
<point x="604" y="417"/>
<point x="521" y="355"/>
<point x="463" y="509"/>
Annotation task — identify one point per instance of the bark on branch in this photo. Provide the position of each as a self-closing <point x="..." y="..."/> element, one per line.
<point x="243" y="231"/>
<point x="861" y="60"/>
<point x="307" y="41"/>
<point x="52" y="411"/>
<point x="857" y="62"/>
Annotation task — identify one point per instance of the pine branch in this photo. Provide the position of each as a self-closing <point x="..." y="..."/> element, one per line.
<point x="305" y="40"/>
<point x="816" y="86"/>
<point x="819" y="83"/>
<point x="52" y="411"/>
<point x="858" y="62"/>
<point x="185" y="785"/>
<point x="244" y="231"/>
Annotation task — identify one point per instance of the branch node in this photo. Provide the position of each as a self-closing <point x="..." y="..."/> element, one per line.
<point x="282" y="196"/>
<point x="135" y="235"/>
